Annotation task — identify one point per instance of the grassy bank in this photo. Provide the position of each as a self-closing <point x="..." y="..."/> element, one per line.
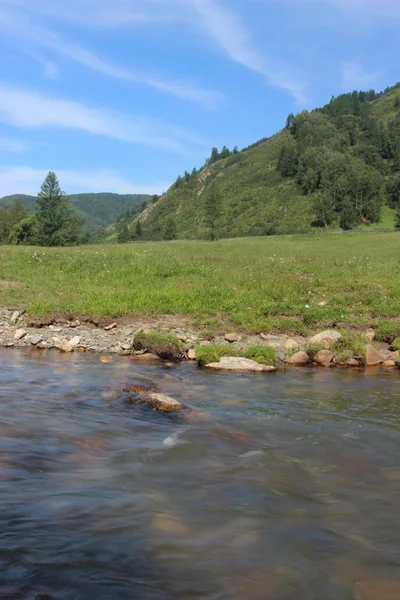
<point x="274" y="284"/>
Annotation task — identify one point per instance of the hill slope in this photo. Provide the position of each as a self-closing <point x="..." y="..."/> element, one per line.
<point x="96" y="210"/>
<point x="330" y="167"/>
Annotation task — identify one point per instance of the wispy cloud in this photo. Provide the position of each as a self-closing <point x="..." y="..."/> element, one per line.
<point x="355" y="76"/>
<point x="235" y="40"/>
<point x="28" y="109"/>
<point x="11" y="145"/>
<point x="13" y="24"/>
<point x="27" y="180"/>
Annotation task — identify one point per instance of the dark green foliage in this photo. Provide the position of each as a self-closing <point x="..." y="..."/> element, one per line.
<point x="124" y="235"/>
<point x="24" y="232"/>
<point x="9" y="217"/>
<point x="288" y="159"/>
<point x="289" y="121"/>
<point x="138" y="230"/>
<point x="170" y="229"/>
<point x="57" y="223"/>
<point x="397" y="219"/>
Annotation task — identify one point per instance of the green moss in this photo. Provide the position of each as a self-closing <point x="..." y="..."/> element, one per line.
<point x="313" y="348"/>
<point x="349" y="345"/>
<point x="164" y="346"/>
<point x="396" y="344"/>
<point x="265" y="355"/>
<point x="213" y="353"/>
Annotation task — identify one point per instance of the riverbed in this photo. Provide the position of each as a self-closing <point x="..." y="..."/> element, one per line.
<point x="282" y="486"/>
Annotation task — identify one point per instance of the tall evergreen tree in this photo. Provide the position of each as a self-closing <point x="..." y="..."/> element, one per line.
<point x="138" y="230"/>
<point x="170" y="229"/>
<point x="57" y="222"/>
<point x="212" y="209"/>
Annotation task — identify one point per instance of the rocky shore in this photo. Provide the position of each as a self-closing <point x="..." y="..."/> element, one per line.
<point x="18" y="331"/>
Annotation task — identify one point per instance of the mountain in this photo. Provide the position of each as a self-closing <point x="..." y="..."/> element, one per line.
<point x="336" y="166"/>
<point x="96" y="210"/>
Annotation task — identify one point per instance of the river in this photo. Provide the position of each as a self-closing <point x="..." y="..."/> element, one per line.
<point x="282" y="486"/>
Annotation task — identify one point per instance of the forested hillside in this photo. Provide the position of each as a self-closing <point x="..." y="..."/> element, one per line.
<point x="96" y="210"/>
<point x="337" y="166"/>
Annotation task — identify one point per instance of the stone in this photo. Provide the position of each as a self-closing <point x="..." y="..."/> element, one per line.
<point x="235" y="363"/>
<point x="75" y="341"/>
<point x="350" y="363"/>
<point x="127" y="332"/>
<point x="395" y="355"/>
<point x="169" y="524"/>
<point x="162" y="402"/>
<point x="55" y="329"/>
<point x="65" y="346"/>
<point x="299" y="359"/>
<point x="291" y="346"/>
<point x="56" y="341"/>
<point x="275" y="341"/>
<point x="326" y="338"/>
<point x="192" y="354"/>
<point x="9" y="345"/>
<point x="35" y="339"/>
<point x="372" y="356"/>
<point x="110" y="327"/>
<point x="19" y="334"/>
<point x="231" y="337"/>
<point x="145" y="356"/>
<point x="369" y="335"/>
<point x="106" y="359"/>
<point x="324" y="358"/>
<point x="182" y="337"/>
<point x="389" y="363"/>
<point x="42" y="345"/>
<point x="127" y="346"/>
<point x="15" y="316"/>
<point x="205" y="343"/>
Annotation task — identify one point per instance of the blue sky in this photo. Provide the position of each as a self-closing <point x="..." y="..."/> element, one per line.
<point x="124" y="95"/>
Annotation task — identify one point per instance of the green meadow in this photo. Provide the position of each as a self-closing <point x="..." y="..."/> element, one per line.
<point x="282" y="284"/>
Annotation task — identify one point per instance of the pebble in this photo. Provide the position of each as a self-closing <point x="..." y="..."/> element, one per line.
<point x="75" y="341"/>
<point x="110" y="327"/>
<point x="15" y="316"/>
<point x="65" y="346"/>
<point x="35" y="339"/>
<point x="19" y="334"/>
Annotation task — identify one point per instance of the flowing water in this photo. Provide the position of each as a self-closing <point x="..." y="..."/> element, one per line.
<point x="283" y="486"/>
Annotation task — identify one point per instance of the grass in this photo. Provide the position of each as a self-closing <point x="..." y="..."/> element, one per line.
<point x="265" y="355"/>
<point x="283" y="284"/>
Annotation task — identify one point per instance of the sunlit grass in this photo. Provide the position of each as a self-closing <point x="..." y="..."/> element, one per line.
<point x="275" y="284"/>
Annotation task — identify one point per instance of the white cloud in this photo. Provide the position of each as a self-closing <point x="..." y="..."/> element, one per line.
<point x="233" y="38"/>
<point x="28" y="109"/>
<point x="27" y="180"/>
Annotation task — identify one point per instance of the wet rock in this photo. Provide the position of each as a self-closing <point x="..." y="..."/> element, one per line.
<point x="110" y="327"/>
<point x="169" y="524"/>
<point x="372" y="356"/>
<point x="106" y="359"/>
<point x="389" y="363"/>
<point x="192" y="354"/>
<point x="350" y="363"/>
<point x="15" y="316"/>
<point x="299" y="359"/>
<point x="161" y="402"/>
<point x="323" y="358"/>
<point x="234" y="363"/>
<point x="127" y="346"/>
<point x="75" y="341"/>
<point x="19" y="334"/>
<point x="145" y="356"/>
<point x="231" y="337"/>
<point x="42" y="345"/>
<point x="65" y="346"/>
<point x="9" y="345"/>
<point x="35" y="339"/>
<point x="326" y="338"/>
<point x="291" y="346"/>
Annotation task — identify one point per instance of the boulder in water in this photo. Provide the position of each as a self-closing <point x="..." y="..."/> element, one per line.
<point x="161" y="402"/>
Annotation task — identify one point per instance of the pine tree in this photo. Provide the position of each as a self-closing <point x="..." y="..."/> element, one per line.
<point x="138" y="230"/>
<point x="212" y="209"/>
<point x="57" y="222"/>
<point x="289" y="121"/>
<point x="123" y="234"/>
<point x="214" y="155"/>
<point x="170" y="229"/>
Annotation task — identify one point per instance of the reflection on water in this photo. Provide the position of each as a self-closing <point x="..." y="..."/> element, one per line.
<point x="281" y="486"/>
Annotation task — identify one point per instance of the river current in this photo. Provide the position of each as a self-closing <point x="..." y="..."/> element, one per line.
<point x="280" y="486"/>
